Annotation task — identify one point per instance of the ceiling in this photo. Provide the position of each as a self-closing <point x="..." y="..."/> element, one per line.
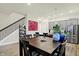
<point x="42" y="10"/>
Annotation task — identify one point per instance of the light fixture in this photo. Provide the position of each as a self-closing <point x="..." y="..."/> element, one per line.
<point x="28" y="4"/>
<point x="70" y="11"/>
<point x="39" y="19"/>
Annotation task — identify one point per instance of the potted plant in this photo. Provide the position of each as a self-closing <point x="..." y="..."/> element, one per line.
<point x="56" y="28"/>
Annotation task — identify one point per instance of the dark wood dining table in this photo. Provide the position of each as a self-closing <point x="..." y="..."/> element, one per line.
<point x="43" y="45"/>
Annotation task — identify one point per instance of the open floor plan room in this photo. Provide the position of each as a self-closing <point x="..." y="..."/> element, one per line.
<point x="39" y="29"/>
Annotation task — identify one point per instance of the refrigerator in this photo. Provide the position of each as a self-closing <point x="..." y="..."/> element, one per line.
<point x="73" y="36"/>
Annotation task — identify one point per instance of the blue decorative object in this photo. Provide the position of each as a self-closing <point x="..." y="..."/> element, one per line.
<point x="56" y="36"/>
<point x="62" y="38"/>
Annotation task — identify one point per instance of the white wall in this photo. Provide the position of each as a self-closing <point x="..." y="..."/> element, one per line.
<point x="12" y="38"/>
<point x="44" y="26"/>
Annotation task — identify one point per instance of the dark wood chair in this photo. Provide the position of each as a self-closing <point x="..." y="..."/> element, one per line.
<point x="22" y="36"/>
<point x="36" y="34"/>
<point x="62" y="47"/>
<point x="28" y="36"/>
<point x="56" y="52"/>
<point x="24" y="48"/>
<point x="50" y="35"/>
<point x="60" y="51"/>
<point x="45" y="34"/>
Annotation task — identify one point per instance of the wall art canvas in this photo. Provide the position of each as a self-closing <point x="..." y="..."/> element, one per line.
<point x="32" y="25"/>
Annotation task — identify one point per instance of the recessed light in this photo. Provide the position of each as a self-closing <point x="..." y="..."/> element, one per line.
<point x="28" y="4"/>
<point x="39" y="19"/>
<point x="70" y="11"/>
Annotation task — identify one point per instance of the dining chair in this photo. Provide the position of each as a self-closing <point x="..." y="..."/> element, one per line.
<point x="45" y="34"/>
<point x="28" y="36"/>
<point x="36" y="34"/>
<point x="56" y="52"/>
<point x="25" y="47"/>
<point x="22" y="36"/>
<point x="27" y="50"/>
<point x="60" y="51"/>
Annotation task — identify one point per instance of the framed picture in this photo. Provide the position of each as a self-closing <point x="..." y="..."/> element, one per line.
<point x="32" y="25"/>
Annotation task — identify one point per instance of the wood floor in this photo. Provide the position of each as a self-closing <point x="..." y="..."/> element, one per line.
<point x="72" y="49"/>
<point x="13" y="50"/>
<point x="9" y="50"/>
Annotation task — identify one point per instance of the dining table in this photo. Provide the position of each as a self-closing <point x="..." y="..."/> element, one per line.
<point x="43" y="45"/>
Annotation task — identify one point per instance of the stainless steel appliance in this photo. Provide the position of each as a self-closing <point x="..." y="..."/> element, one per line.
<point x="73" y="34"/>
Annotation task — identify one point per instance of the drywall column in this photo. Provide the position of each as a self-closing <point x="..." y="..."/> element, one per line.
<point x="44" y="26"/>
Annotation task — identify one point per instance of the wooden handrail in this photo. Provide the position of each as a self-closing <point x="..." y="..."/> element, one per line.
<point x="11" y="24"/>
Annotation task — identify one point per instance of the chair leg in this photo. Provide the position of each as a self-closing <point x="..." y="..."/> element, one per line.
<point x="20" y="49"/>
<point x="59" y="50"/>
<point x="63" y="53"/>
<point x="30" y="52"/>
<point x="38" y="54"/>
<point x="26" y="52"/>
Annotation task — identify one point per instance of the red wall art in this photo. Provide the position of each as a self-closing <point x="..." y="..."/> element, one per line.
<point x="32" y="25"/>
